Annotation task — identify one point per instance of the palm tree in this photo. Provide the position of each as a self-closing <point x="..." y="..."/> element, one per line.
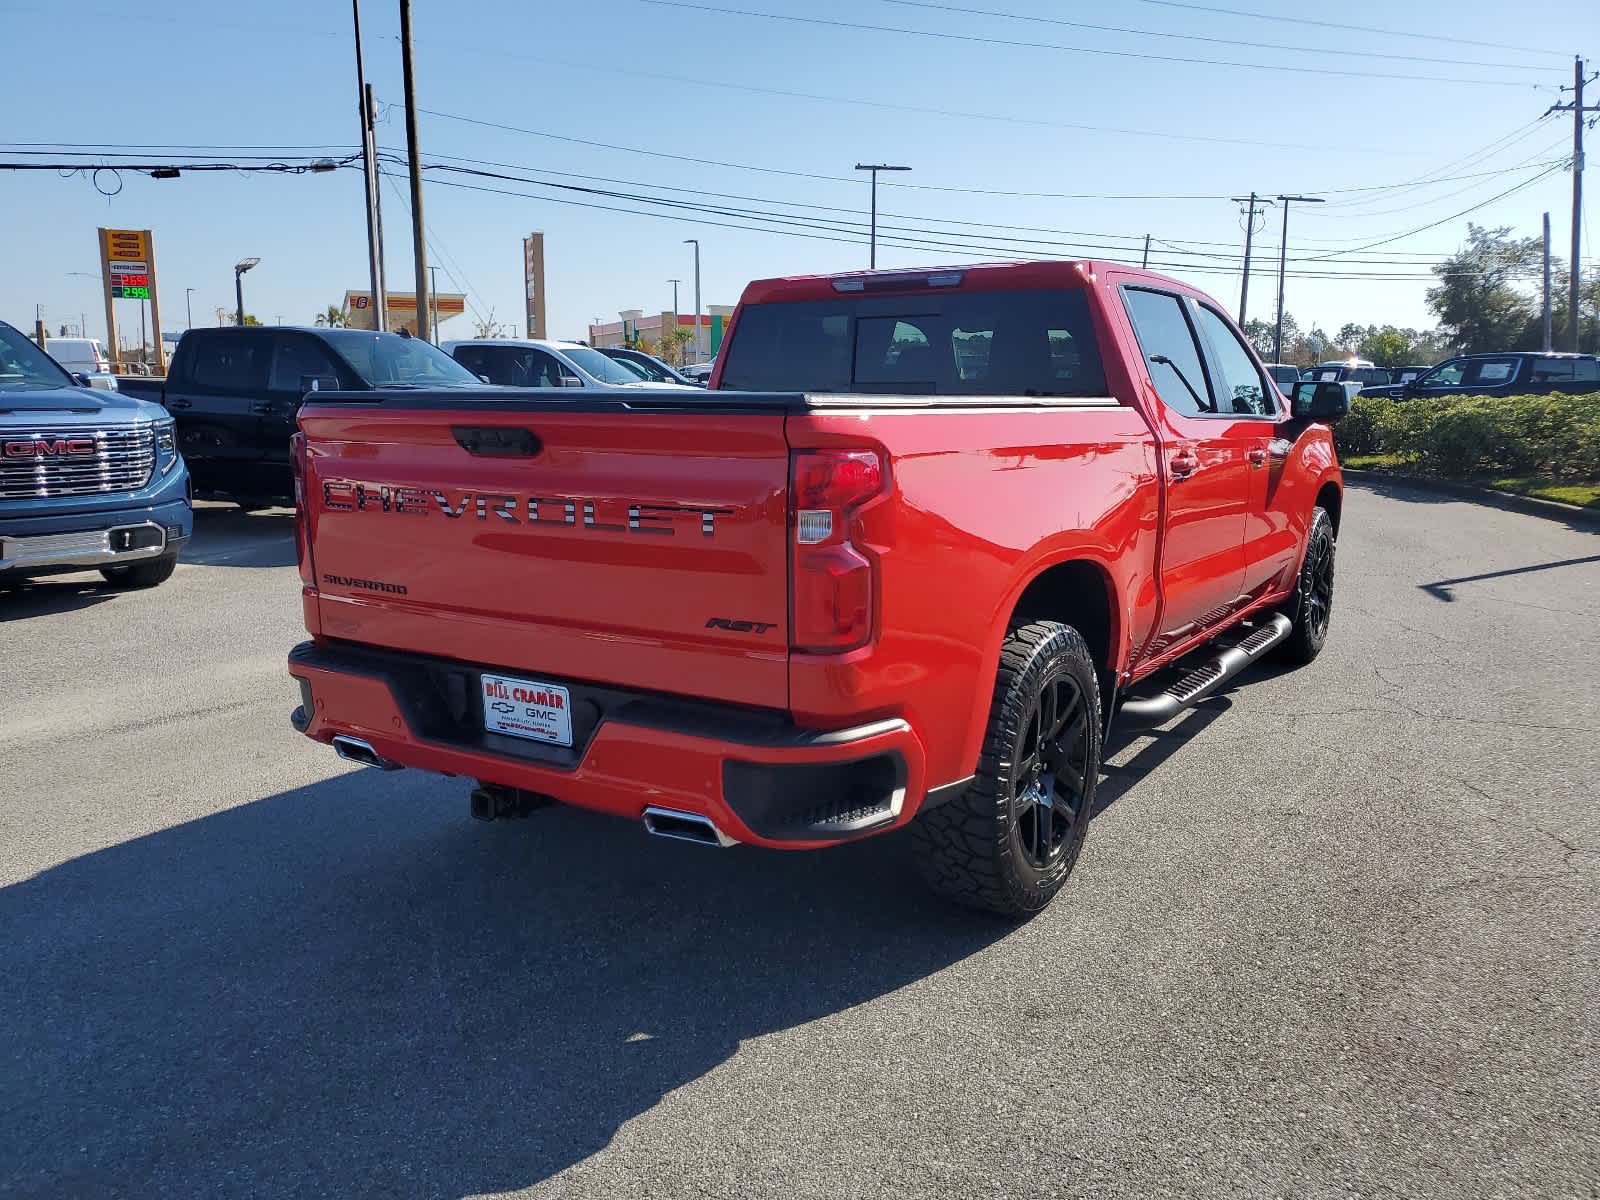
<point x="334" y="318"/>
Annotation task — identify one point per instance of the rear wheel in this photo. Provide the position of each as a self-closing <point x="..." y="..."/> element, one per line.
<point x="1009" y="842"/>
<point x="143" y="574"/>
<point x="1312" y="609"/>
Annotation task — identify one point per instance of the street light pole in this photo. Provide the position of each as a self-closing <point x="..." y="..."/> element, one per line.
<point x="188" y="307"/>
<point x="243" y="265"/>
<point x="695" y="242"/>
<point x="433" y="296"/>
<point x="872" y="253"/>
<point x="1283" y="261"/>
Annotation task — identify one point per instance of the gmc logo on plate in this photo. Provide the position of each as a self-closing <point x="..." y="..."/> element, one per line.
<point x="47" y="447"/>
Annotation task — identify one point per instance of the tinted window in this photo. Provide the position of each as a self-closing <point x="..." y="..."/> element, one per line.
<point x="297" y="358"/>
<point x="1370" y="376"/>
<point x="1586" y="369"/>
<point x="1554" y="370"/>
<point x="1240" y="385"/>
<point x="1038" y="343"/>
<point x="229" y="362"/>
<point x="512" y="366"/>
<point x="1446" y="374"/>
<point x="1164" y="333"/>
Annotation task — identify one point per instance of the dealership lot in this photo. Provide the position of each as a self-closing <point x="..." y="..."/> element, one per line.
<point x="1332" y="934"/>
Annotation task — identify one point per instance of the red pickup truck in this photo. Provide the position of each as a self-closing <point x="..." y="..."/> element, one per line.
<point x="925" y="534"/>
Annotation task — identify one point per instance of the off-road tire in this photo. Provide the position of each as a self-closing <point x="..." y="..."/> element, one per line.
<point x="142" y="574"/>
<point x="981" y="849"/>
<point x="1311" y="610"/>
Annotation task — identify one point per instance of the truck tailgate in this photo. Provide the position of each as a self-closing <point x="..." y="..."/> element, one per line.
<point x="643" y="548"/>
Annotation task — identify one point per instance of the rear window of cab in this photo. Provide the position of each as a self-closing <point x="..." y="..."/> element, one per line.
<point x="1023" y="343"/>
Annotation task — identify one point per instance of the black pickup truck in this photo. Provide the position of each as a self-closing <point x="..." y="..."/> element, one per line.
<point x="1519" y="374"/>
<point x="235" y="392"/>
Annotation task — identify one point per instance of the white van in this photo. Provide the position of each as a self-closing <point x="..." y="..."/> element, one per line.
<point x="84" y="356"/>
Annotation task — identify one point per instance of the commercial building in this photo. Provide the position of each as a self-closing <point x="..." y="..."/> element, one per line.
<point x="635" y="326"/>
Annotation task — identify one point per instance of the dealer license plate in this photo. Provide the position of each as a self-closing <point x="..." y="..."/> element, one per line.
<point x="527" y="708"/>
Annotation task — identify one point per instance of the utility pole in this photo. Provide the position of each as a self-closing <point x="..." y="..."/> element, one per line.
<point x="1249" y="235"/>
<point x="1577" y="109"/>
<point x="872" y="254"/>
<point x="433" y="296"/>
<point x="1145" y="265"/>
<point x="188" y="307"/>
<point x="1283" y="262"/>
<point x="695" y="242"/>
<point x="419" y="244"/>
<point x="1545" y="344"/>
<point x="369" y="171"/>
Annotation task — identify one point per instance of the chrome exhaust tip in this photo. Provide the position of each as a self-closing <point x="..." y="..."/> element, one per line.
<point x="353" y="749"/>
<point x="684" y="827"/>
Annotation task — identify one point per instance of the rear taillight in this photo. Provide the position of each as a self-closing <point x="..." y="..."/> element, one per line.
<point x="297" y="467"/>
<point x="832" y="578"/>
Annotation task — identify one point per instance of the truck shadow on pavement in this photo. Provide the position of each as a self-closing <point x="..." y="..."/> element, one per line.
<point x="36" y="597"/>
<point x="352" y="989"/>
<point x="227" y="536"/>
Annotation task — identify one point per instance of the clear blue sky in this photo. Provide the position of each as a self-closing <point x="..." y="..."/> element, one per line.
<point x="680" y="80"/>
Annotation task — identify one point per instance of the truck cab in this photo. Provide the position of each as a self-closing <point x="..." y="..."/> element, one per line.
<point x="234" y="393"/>
<point x="89" y="479"/>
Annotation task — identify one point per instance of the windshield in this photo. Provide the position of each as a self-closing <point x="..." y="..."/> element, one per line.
<point x="606" y="370"/>
<point x="1033" y="343"/>
<point x="389" y="360"/>
<point x="26" y="368"/>
<point x="648" y="369"/>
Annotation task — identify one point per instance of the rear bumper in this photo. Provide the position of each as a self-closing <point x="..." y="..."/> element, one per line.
<point x="756" y="776"/>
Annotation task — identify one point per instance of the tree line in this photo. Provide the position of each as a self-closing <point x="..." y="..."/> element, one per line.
<point x="1488" y="299"/>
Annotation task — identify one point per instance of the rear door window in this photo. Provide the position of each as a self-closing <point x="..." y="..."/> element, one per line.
<point x="1030" y="343"/>
<point x="1554" y="370"/>
<point x="1171" y="354"/>
<point x="1491" y="372"/>
<point x="229" y="362"/>
<point x="296" y="360"/>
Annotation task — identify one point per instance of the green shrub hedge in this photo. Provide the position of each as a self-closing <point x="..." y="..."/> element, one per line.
<point x="1461" y="437"/>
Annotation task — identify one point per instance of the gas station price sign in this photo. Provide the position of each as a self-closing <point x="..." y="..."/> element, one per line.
<point x="129" y="280"/>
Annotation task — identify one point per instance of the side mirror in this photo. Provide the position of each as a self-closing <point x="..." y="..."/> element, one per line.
<point x="81" y="379"/>
<point x="485" y="379"/>
<point x="318" y="383"/>
<point x="571" y="381"/>
<point x="1322" y="400"/>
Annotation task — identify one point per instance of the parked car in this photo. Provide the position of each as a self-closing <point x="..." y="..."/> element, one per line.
<point x="649" y="368"/>
<point x="513" y="362"/>
<point x="83" y="356"/>
<point x="235" y="391"/>
<point x="1285" y="375"/>
<point x="857" y="584"/>
<point x="1503" y="375"/>
<point x="700" y="373"/>
<point x="1352" y="370"/>
<point x="88" y="478"/>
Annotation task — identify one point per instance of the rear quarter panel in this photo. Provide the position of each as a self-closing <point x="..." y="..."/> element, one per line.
<point x="980" y="501"/>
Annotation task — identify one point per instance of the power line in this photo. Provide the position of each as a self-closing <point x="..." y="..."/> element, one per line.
<point x="886" y="105"/>
<point x="1453" y="216"/>
<point x="1262" y="16"/>
<point x="1198" y="37"/>
<point x="970" y="38"/>
<point x="849" y="232"/>
<point x="922" y="187"/>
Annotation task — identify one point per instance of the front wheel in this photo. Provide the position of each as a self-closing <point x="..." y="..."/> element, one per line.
<point x="143" y="574"/>
<point x="1009" y="842"/>
<point x="1312" y="609"/>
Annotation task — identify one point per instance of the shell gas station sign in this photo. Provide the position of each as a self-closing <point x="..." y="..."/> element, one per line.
<point x="362" y="314"/>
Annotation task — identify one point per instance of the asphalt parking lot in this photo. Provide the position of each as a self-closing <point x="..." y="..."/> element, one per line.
<point x="1336" y="933"/>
